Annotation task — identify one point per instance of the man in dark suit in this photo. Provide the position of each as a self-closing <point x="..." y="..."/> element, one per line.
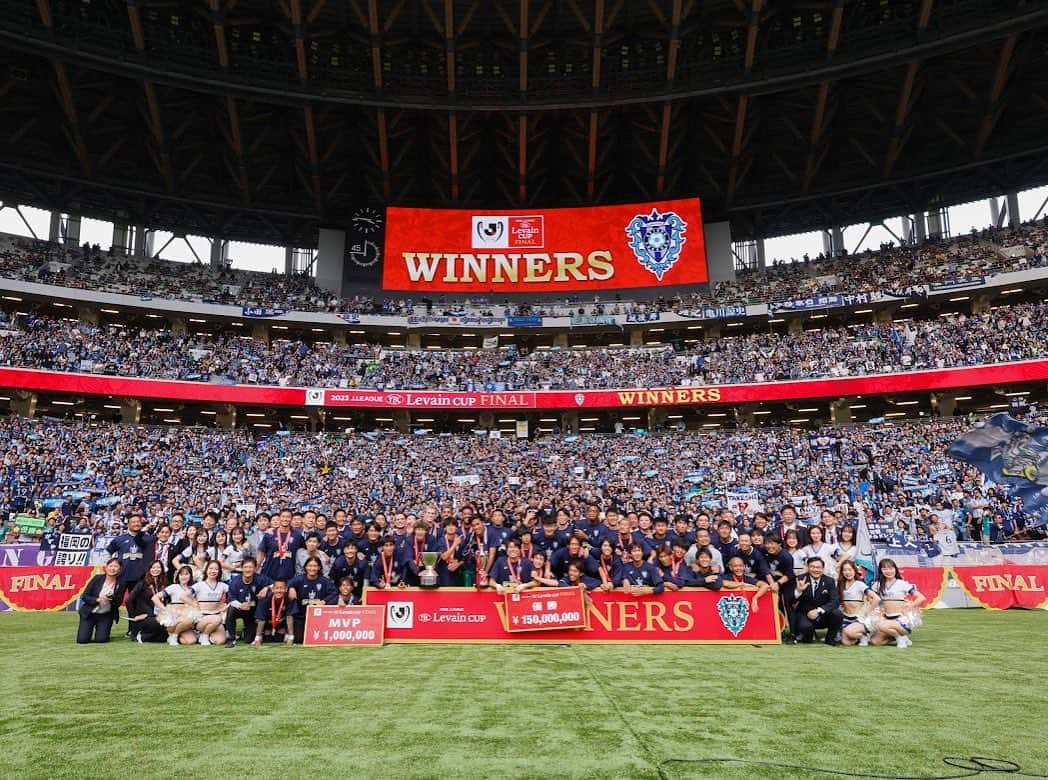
<point x="816" y="606"/>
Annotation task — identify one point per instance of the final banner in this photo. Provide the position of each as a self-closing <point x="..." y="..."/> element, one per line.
<point x="657" y="244"/>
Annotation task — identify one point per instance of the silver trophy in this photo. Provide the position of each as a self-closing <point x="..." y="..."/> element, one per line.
<point x="427" y="578"/>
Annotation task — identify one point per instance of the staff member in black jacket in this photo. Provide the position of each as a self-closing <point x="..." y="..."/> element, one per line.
<point x="100" y="605"/>
<point x="141" y="610"/>
<point x="817" y="606"/>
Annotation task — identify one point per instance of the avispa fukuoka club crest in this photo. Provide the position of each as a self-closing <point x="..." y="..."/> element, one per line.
<point x="734" y="611"/>
<point x="656" y="240"/>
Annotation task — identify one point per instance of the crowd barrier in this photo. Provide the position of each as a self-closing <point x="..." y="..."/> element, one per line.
<point x="526" y="400"/>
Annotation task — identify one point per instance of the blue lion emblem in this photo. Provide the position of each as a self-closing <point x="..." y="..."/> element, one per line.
<point x="734" y="612"/>
<point x="656" y="240"/>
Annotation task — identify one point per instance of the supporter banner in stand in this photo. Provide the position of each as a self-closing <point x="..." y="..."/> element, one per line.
<point x="875" y="384"/>
<point x="657" y="244"/>
<point x="449" y="615"/>
<point x="1002" y="587"/>
<point x="42" y="588"/>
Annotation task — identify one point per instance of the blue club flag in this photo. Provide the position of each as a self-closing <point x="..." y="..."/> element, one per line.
<point x="1013" y="454"/>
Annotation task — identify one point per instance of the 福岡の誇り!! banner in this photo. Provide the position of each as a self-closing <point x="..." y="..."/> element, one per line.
<point x="656" y="244"/>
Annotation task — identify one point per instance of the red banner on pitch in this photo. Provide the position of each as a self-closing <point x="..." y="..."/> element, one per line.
<point x="655" y="244"/>
<point x="329" y="625"/>
<point x="687" y="616"/>
<point x="1002" y="587"/>
<point x="546" y="609"/>
<point x="929" y="580"/>
<point x="43" y="588"/>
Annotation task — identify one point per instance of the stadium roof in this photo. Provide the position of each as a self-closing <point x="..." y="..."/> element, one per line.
<point x="259" y="120"/>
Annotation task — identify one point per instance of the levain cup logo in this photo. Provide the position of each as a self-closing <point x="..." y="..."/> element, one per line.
<point x="734" y="612"/>
<point x="657" y="240"/>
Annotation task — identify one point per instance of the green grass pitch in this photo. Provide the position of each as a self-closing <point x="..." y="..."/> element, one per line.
<point x="974" y="683"/>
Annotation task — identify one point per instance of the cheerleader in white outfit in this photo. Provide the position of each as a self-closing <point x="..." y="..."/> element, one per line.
<point x="900" y="604"/>
<point x="856" y="601"/>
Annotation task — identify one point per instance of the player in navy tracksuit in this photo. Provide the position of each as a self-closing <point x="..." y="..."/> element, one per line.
<point x="134" y="549"/>
<point x="753" y="558"/>
<point x="559" y="560"/>
<point x="674" y="570"/>
<point x="452" y="556"/>
<point x="512" y="569"/>
<point x="575" y="577"/>
<point x="272" y="616"/>
<point x="638" y="576"/>
<point x="549" y="539"/>
<point x="681" y="531"/>
<point x="703" y="574"/>
<point x="389" y="569"/>
<point x="625" y="538"/>
<point x="308" y="589"/>
<point x="245" y="590"/>
<point x="609" y="565"/>
<point x="276" y="551"/>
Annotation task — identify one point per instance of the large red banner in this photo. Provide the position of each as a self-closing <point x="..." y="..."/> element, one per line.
<point x="687" y="616"/>
<point x="546" y="610"/>
<point x="875" y="384"/>
<point x="656" y="244"/>
<point x="355" y="625"/>
<point x="1003" y="587"/>
<point x="43" y="588"/>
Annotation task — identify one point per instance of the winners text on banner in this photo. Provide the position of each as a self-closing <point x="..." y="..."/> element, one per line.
<point x="657" y="244"/>
<point x="684" y="616"/>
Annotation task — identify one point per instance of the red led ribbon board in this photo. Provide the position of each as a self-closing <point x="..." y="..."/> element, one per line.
<point x="657" y="244"/>
<point x="466" y="615"/>
<point x="356" y="625"/>
<point x="546" y="610"/>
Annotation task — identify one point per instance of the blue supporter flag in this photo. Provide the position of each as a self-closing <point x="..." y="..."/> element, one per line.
<point x="1013" y="454"/>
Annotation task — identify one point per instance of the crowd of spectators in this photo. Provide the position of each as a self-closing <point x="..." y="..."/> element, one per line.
<point x="896" y="476"/>
<point x="889" y="267"/>
<point x="1007" y="334"/>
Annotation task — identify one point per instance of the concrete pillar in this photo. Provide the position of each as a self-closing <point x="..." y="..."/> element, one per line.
<point x="840" y="412"/>
<point x="711" y="332"/>
<point x="121" y="243"/>
<point x="402" y="420"/>
<point x="23" y="403"/>
<point x="946" y="403"/>
<point x="143" y="241"/>
<point x="289" y="261"/>
<point x="414" y="340"/>
<point x="72" y="230"/>
<point x="762" y="261"/>
<point x="657" y="418"/>
<point x="636" y="338"/>
<point x="794" y="325"/>
<point x="87" y="315"/>
<point x="178" y="325"/>
<point x="219" y="252"/>
<point x="54" y="233"/>
<point x="919" y="232"/>
<point x="486" y="420"/>
<point x="995" y="211"/>
<point x="317" y="418"/>
<point x="744" y="415"/>
<point x="883" y="316"/>
<point x="226" y="417"/>
<point x="1013" y="209"/>
<point x="980" y="303"/>
<point x="260" y="332"/>
<point x="561" y="340"/>
<point x="338" y="336"/>
<point x="569" y="422"/>
<point x="130" y="411"/>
